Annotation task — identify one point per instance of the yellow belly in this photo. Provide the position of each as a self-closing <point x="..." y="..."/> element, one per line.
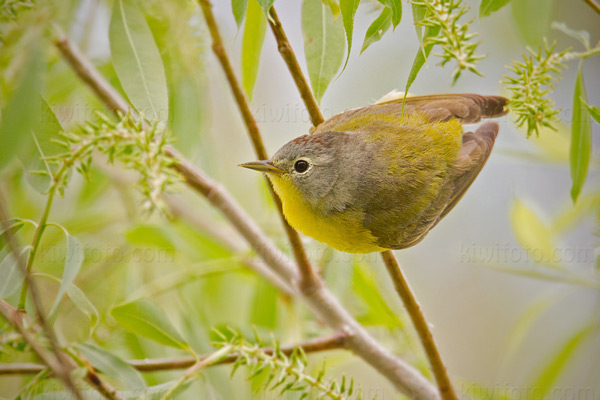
<point x="343" y="231"/>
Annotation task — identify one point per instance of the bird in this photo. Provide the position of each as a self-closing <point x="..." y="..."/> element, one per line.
<point x="382" y="176"/>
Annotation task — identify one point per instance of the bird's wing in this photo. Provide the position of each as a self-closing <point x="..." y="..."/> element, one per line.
<point x="468" y="108"/>
<point x="475" y="150"/>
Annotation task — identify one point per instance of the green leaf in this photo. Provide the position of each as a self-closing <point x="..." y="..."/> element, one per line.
<point x="533" y="235"/>
<point x="11" y="274"/>
<point x="239" y="11"/>
<point x="420" y="57"/>
<point x="187" y="116"/>
<point x="21" y="111"/>
<point x="594" y="112"/>
<point x="487" y="7"/>
<point x="323" y="44"/>
<point x="146" y="319"/>
<point x="266" y="5"/>
<point x="533" y="18"/>
<point x="46" y="127"/>
<point x="419" y="11"/>
<point x="264" y="306"/>
<point x="396" y="7"/>
<point x="137" y="61"/>
<point x="348" y="9"/>
<point x="252" y="43"/>
<point x="376" y="30"/>
<point x="547" y="378"/>
<point x="73" y="260"/>
<point x="111" y="365"/>
<point x="581" y="137"/>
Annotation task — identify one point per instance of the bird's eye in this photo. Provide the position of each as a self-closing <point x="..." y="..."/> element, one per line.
<point x="301" y="166"/>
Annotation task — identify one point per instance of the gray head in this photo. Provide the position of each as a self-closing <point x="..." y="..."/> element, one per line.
<point x="309" y="163"/>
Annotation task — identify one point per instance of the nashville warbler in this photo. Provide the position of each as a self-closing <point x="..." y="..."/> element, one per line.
<point x="382" y="176"/>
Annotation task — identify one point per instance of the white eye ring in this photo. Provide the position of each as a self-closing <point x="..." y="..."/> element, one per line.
<point x="301" y="166"/>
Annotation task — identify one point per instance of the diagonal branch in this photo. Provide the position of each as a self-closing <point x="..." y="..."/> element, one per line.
<point x="288" y="55"/>
<point x="307" y="273"/>
<point x="320" y="300"/>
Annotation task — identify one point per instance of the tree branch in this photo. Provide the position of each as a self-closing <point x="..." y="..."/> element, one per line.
<point x="316" y="345"/>
<point x="288" y="55"/>
<point x="594" y="5"/>
<point x="403" y="376"/>
<point x="307" y="273"/>
<point x="420" y="323"/>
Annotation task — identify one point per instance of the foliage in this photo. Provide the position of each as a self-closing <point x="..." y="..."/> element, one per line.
<point x="284" y="373"/>
<point x="120" y="283"/>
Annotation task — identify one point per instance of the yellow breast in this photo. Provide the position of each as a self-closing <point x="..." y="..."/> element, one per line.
<point x="342" y="231"/>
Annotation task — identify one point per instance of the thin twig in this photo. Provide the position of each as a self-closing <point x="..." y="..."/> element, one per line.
<point x="594" y="5"/>
<point x="288" y="55"/>
<point x="404" y="377"/>
<point x="420" y="323"/>
<point x="307" y="273"/>
<point x="316" y="345"/>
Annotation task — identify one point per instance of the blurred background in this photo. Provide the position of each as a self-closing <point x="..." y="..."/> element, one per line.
<point x="509" y="280"/>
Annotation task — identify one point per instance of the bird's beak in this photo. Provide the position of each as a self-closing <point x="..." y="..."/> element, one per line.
<point x="263" y="166"/>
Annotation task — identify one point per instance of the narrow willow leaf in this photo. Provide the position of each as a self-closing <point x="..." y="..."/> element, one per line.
<point x="348" y="9"/>
<point x="73" y="260"/>
<point x="137" y="61"/>
<point x="266" y="5"/>
<point x="533" y="235"/>
<point x="239" y="11"/>
<point x="323" y="44"/>
<point x="45" y="129"/>
<point x="581" y="137"/>
<point x="418" y="12"/>
<point x="146" y="319"/>
<point x="111" y="365"/>
<point x="252" y="43"/>
<point x="376" y="30"/>
<point x="21" y="110"/>
<point x="396" y="7"/>
<point x="533" y="18"/>
<point x="487" y="7"/>
<point x="546" y="380"/>
<point x="421" y="57"/>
